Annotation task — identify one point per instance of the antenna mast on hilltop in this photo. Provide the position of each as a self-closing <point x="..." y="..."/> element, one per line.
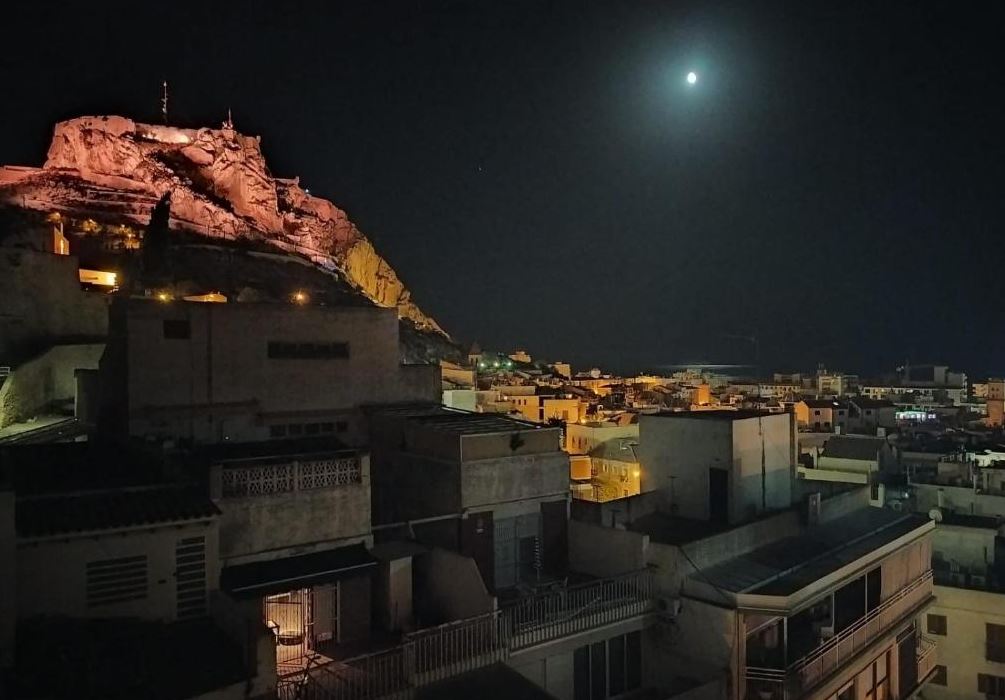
<point x="164" y="102"/>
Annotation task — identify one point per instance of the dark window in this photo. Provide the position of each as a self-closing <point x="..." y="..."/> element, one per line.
<point x="868" y="411"/>
<point x="177" y="330"/>
<point x="277" y="431"/>
<point x="939" y="676"/>
<point x="278" y="350"/>
<point x="995" y="638"/>
<point x="598" y="670"/>
<point x="581" y="673"/>
<point x="993" y="686"/>
<point x="937" y="625"/>
<point x="879" y="689"/>
<point x="296" y="429"/>
<point x="327" y="427"/>
<point x="633" y="656"/>
<point x="313" y="428"/>
<point x="848" y="693"/>
<point x="616" y="653"/>
<point x="874" y="492"/>
<point x="816" y="413"/>
<point x="873" y="586"/>
<point x="341" y="426"/>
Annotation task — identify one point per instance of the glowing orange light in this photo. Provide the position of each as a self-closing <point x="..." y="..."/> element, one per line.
<point x="300" y="297"/>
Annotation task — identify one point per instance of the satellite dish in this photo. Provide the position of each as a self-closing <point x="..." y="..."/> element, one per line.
<point x="935" y="514"/>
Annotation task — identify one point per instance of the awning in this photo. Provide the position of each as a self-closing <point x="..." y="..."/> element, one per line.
<point x="280" y="575"/>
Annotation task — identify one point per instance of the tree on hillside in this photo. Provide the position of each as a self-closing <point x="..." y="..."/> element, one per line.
<point x="156" y="241"/>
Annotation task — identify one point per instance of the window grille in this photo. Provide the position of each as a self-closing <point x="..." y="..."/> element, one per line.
<point x="258" y="481"/>
<point x="324" y="473"/>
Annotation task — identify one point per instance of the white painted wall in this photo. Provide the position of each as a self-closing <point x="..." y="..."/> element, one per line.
<point x="962" y="649"/>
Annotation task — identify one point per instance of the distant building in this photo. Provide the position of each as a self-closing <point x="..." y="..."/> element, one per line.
<point x="562" y="369"/>
<point x="996" y="403"/>
<point x="520" y="356"/>
<point x="835" y="383"/>
<point x="827" y="415"/>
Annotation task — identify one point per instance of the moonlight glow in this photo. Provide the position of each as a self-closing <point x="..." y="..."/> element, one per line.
<point x="692" y="78"/>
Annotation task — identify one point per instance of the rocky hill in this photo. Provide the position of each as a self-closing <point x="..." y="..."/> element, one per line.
<point x="113" y="170"/>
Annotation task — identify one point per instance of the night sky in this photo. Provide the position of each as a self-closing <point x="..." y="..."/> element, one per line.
<point x="541" y="175"/>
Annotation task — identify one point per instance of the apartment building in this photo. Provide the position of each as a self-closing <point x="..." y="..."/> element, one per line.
<point x="489" y="487"/>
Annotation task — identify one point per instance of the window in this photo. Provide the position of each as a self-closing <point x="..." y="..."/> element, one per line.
<point x="312" y="428"/>
<point x="992" y="686"/>
<point x="327" y="427"/>
<point x="116" y="580"/>
<point x="277" y="431"/>
<point x="608" y="668"/>
<point x="874" y="492"/>
<point x="296" y="429"/>
<point x="847" y="693"/>
<point x="341" y="426"/>
<point x="278" y="350"/>
<point x="995" y="642"/>
<point x="937" y="625"/>
<point x="177" y="330"/>
<point x="939" y="676"/>
<point x="816" y="412"/>
<point x="880" y="686"/>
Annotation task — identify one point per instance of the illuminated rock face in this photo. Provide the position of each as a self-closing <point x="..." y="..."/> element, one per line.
<point x="221" y="187"/>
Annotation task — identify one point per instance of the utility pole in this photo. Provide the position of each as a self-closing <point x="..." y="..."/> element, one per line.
<point x="164" y="101"/>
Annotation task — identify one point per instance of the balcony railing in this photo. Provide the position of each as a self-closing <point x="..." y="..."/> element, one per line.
<point x="809" y="670"/>
<point x="287" y="477"/>
<point x="437" y="653"/>
<point x="573" y="609"/>
<point x="926" y="656"/>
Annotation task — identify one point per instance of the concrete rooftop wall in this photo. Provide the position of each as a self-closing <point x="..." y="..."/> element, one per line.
<point x="268" y="524"/>
<point x="520" y="477"/>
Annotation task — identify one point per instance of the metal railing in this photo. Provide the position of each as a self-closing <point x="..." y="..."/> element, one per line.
<point x="437" y="653"/>
<point x="807" y="671"/>
<point x="926" y="656"/>
<point x="573" y="609"/>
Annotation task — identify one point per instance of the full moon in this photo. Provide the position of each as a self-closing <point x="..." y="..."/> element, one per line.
<point x="692" y="78"/>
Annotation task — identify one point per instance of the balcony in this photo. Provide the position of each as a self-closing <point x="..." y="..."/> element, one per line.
<point x="803" y="674"/>
<point x="926" y="658"/>
<point x="437" y="653"/>
<point x="330" y="494"/>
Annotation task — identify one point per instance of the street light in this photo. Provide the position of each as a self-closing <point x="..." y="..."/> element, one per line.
<point x="692" y="78"/>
